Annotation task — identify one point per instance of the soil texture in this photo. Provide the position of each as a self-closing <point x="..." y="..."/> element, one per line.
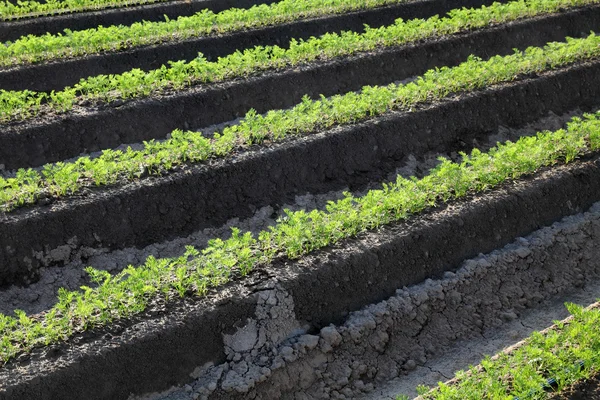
<point x="86" y="129"/>
<point x="157" y="209"/>
<point x="160" y="348"/>
<point x="12" y="30"/>
<point x="57" y="74"/>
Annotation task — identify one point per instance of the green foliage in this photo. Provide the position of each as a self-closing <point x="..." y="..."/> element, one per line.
<point x="523" y="372"/>
<point x="298" y="233"/>
<point x="422" y="389"/>
<point x="30" y="8"/>
<point x="205" y="22"/>
<point x="21" y="105"/>
<point x="157" y="158"/>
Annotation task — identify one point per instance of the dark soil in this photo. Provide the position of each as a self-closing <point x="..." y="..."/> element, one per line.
<point x="159" y="349"/>
<point x="85" y="130"/>
<point x="57" y="74"/>
<point x="12" y="30"/>
<point x="586" y="390"/>
<point x="157" y="209"/>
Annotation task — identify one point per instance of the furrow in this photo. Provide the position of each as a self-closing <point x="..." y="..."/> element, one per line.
<point x="57" y="74"/>
<point x="12" y="30"/>
<point x="41" y="295"/>
<point x="53" y="139"/>
<point x="157" y="350"/>
<point x="158" y="209"/>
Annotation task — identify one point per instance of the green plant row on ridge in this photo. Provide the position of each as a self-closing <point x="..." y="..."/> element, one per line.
<point x="568" y="353"/>
<point x="157" y="158"/>
<point x="30" y="8"/>
<point x="22" y="105"/>
<point x="33" y="48"/>
<point x="298" y="233"/>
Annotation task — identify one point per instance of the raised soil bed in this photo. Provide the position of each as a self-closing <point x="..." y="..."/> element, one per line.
<point x="157" y="209"/>
<point x="159" y="349"/>
<point x="58" y="74"/>
<point x="61" y="137"/>
<point x="12" y="30"/>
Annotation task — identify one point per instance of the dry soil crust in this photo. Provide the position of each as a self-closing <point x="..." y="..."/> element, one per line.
<point x="160" y="349"/>
<point x="154" y="210"/>
<point x="57" y="138"/>
<point x="575" y="235"/>
<point x="12" y="30"/>
<point x="407" y="331"/>
<point x="472" y="349"/>
<point x="57" y="74"/>
<point x="41" y="295"/>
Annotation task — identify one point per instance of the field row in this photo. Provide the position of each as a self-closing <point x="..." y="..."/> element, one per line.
<point x="158" y="158"/>
<point x="549" y="361"/>
<point x="194" y="273"/>
<point x="31" y="8"/>
<point x="15" y="105"/>
<point x="33" y="49"/>
<point x="241" y="221"/>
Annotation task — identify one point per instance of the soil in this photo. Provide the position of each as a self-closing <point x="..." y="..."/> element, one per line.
<point x="12" y="30"/>
<point x="41" y="295"/>
<point x="344" y="320"/>
<point x="157" y="209"/>
<point x="86" y="129"/>
<point x="406" y="328"/>
<point x="586" y="390"/>
<point x="57" y="74"/>
<point x="198" y="197"/>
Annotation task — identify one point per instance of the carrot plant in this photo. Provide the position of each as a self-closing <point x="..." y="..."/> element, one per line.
<point x="157" y="158"/>
<point x="205" y="22"/>
<point x="130" y="291"/>
<point x="17" y="105"/>
<point x="31" y="8"/>
<point x="570" y="352"/>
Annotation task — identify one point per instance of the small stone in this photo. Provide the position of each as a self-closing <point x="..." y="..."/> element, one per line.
<point x="265" y="371"/>
<point x="331" y="336"/>
<point x="449" y="275"/>
<point x="287" y="353"/>
<point x="277" y="363"/>
<point x="420" y="298"/>
<point x="275" y="312"/>
<point x="359" y="385"/>
<point x="508" y="316"/>
<point x="244" y="339"/>
<point x="523" y="252"/>
<point x="309" y="341"/>
<point x="410" y="365"/>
